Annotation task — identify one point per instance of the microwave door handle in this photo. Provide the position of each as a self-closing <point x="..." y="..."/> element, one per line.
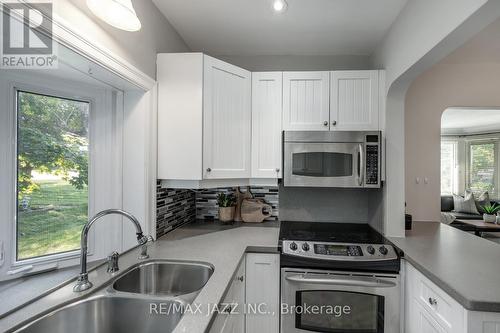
<point x="371" y="283"/>
<point x="361" y="166"/>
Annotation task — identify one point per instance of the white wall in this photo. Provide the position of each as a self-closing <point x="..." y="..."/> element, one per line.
<point x="137" y="48"/>
<point x="421" y="25"/>
<point x="298" y="63"/>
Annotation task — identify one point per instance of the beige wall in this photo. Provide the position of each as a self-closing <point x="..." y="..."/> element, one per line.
<point x="450" y="83"/>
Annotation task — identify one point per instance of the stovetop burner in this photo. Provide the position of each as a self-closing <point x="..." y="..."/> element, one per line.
<point x="329" y="232"/>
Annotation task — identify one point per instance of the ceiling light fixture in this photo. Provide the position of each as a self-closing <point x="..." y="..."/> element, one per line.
<point x="118" y="13"/>
<point x="279" y="6"/>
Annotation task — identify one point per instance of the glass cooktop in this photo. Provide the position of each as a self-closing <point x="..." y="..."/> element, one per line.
<point x="329" y="232"/>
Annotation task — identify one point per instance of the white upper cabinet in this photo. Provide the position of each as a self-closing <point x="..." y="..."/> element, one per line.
<point x="267" y="96"/>
<point x="354" y="100"/>
<point x="306" y="101"/>
<point x="204" y="118"/>
<point x="227" y="120"/>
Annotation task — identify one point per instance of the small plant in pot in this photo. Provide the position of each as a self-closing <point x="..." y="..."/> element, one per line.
<point x="226" y="207"/>
<point x="489" y="213"/>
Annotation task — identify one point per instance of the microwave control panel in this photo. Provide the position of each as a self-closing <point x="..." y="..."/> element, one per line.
<point x="372" y="165"/>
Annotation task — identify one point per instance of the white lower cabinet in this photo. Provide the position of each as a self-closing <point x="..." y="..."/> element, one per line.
<point x="423" y="321"/>
<point x="254" y="289"/>
<point x="262" y="293"/>
<point x="232" y="318"/>
<point x="428" y="308"/>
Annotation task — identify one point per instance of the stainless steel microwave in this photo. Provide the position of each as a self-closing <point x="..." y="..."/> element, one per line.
<point x="350" y="159"/>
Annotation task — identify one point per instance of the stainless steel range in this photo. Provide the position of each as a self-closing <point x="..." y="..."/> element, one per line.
<point x="339" y="278"/>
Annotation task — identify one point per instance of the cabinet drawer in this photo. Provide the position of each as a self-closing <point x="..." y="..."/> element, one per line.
<point x="425" y="323"/>
<point x="444" y="309"/>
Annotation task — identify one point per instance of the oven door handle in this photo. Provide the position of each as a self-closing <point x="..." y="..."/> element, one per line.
<point x="370" y="282"/>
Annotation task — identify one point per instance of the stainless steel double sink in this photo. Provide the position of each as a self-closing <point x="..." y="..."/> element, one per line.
<point x="125" y="304"/>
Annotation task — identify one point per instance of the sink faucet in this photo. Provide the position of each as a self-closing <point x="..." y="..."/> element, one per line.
<point x="83" y="282"/>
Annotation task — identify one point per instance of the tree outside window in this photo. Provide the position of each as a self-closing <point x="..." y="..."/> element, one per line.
<point x="52" y="173"/>
<point x="482" y="167"/>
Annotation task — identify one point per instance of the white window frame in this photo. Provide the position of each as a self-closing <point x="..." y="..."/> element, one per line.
<point x="478" y="140"/>
<point x="100" y="101"/>
<point x="456" y="167"/>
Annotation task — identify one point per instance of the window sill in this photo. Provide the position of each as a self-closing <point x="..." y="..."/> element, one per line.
<point x="19" y="291"/>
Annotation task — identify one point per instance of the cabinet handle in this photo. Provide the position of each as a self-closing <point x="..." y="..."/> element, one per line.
<point x="209" y="169"/>
<point x="277" y="169"/>
<point x="432" y="301"/>
<point x="240" y="278"/>
<point x="325" y="123"/>
<point x="334" y="123"/>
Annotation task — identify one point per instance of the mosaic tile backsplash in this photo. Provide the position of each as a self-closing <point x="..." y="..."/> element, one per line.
<point x="175" y="207"/>
<point x="206" y="200"/>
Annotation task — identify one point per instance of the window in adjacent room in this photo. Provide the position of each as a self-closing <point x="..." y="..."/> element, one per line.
<point x="52" y="173"/>
<point x="449" y="165"/>
<point x="482" y="168"/>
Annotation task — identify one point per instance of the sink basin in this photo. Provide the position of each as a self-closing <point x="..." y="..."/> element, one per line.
<point x="108" y="314"/>
<point x="165" y="278"/>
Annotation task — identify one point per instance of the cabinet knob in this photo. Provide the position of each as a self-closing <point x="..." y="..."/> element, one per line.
<point x="241" y="278"/>
<point x="334" y="123"/>
<point x="277" y="169"/>
<point x="432" y="301"/>
<point x="325" y="123"/>
<point x="209" y="169"/>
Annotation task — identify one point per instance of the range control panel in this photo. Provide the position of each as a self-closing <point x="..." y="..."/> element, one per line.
<point x="339" y="251"/>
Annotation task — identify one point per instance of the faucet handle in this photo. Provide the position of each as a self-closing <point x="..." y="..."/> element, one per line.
<point x="113" y="262"/>
<point x="144" y="247"/>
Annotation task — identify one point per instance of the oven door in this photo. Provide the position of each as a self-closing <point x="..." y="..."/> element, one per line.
<point x="339" y="302"/>
<point x="324" y="164"/>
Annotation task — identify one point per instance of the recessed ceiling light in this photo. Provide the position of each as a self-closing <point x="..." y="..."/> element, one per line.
<point x="279" y="6"/>
<point x="118" y="13"/>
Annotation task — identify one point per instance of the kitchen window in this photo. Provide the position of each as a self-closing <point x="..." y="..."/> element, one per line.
<point x="52" y="173"/>
<point x="61" y="162"/>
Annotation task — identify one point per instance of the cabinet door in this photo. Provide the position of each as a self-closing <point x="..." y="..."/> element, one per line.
<point x="226" y="120"/>
<point x="267" y="90"/>
<point x="239" y="284"/>
<point x="423" y="322"/>
<point x="354" y="100"/>
<point x="306" y="101"/>
<point x="233" y="322"/>
<point x="262" y="287"/>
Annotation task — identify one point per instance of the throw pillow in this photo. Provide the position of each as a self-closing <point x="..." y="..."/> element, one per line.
<point x="483" y="200"/>
<point x="465" y="204"/>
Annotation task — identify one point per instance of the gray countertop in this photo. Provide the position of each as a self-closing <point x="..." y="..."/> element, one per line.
<point x="463" y="265"/>
<point x="219" y="245"/>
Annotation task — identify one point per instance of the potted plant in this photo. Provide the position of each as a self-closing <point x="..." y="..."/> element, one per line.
<point x="226" y="207"/>
<point x="489" y="213"/>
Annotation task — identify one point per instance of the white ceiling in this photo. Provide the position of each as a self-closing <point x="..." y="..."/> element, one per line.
<point x="308" y="27"/>
<point x="462" y="121"/>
